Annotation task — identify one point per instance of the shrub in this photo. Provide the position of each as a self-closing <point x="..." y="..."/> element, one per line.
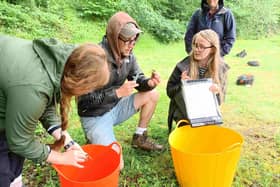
<point x="162" y="28"/>
<point x="19" y="19"/>
<point x="30" y="3"/>
<point x="255" y="20"/>
<point x="175" y="9"/>
<point x="96" y="9"/>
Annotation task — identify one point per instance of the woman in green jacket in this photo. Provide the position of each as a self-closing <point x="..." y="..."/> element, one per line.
<point x="34" y="77"/>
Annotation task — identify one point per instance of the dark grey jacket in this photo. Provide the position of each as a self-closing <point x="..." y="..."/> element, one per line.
<point x="222" y="22"/>
<point x="101" y="101"/>
<point x="177" y="110"/>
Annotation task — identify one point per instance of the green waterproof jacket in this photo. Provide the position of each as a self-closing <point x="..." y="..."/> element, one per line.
<point x="30" y="73"/>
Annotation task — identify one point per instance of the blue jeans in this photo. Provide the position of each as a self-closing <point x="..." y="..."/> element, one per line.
<point x="99" y="130"/>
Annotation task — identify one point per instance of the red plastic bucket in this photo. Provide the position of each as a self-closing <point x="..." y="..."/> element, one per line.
<point x="101" y="169"/>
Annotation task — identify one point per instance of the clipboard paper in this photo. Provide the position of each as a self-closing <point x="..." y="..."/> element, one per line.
<point x="201" y="104"/>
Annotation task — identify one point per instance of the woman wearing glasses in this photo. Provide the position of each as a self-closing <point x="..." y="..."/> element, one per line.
<point x="204" y="61"/>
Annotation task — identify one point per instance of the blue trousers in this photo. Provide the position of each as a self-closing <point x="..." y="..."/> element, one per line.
<point x="11" y="164"/>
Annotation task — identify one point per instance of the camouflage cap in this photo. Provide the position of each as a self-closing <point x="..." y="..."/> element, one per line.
<point x="128" y="31"/>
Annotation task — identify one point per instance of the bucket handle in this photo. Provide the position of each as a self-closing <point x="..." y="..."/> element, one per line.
<point x="116" y="147"/>
<point x="182" y="121"/>
<point x="232" y="146"/>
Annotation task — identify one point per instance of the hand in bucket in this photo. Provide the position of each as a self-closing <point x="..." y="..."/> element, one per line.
<point x="71" y="157"/>
<point x="75" y="156"/>
<point x="76" y="146"/>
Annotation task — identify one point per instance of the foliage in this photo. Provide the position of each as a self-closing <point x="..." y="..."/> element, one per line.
<point x="165" y="19"/>
<point x="255" y="20"/>
<point x="25" y="19"/>
<point x="175" y="9"/>
<point x="96" y="9"/>
<point x="164" y="29"/>
<point x="30" y="3"/>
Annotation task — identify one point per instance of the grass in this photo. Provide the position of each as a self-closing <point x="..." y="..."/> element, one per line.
<point x="251" y="111"/>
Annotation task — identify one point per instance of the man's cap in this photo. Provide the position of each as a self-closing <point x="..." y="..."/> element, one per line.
<point x="129" y="30"/>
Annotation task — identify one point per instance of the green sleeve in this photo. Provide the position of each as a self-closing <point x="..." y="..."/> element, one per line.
<point x="25" y="105"/>
<point x="50" y="119"/>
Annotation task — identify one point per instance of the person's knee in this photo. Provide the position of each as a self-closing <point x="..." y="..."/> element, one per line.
<point x="101" y="136"/>
<point x="153" y="96"/>
<point x="146" y="98"/>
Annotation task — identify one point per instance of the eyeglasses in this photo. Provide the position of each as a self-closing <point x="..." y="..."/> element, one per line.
<point x="129" y="42"/>
<point x="201" y="47"/>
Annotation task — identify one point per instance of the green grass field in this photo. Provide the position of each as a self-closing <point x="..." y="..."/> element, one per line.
<point x="251" y="111"/>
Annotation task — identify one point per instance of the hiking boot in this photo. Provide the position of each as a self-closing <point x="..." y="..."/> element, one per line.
<point x="145" y="143"/>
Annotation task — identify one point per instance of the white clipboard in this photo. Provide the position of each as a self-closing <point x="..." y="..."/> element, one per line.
<point x="201" y="104"/>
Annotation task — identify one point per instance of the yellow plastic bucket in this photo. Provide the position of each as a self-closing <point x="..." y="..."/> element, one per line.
<point x="205" y="156"/>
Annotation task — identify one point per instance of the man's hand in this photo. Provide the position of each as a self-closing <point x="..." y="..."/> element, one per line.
<point x="126" y="89"/>
<point x="154" y="80"/>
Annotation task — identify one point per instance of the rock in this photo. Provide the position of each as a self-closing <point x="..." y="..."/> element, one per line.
<point x="242" y="54"/>
<point x="253" y="63"/>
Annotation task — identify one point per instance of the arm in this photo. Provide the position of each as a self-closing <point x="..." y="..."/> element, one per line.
<point x="174" y="83"/>
<point x="25" y="105"/>
<point x="98" y="97"/>
<point x="51" y="122"/>
<point x="191" y="30"/>
<point x="229" y="33"/>
<point x="142" y="80"/>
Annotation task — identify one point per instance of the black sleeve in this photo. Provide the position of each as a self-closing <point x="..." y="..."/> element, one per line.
<point x="137" y="74"/>
<point x="230" y="33"/>
<point x="191" y="31"/>
<point x="174" y="83"/>
<point x="99" y="97"/>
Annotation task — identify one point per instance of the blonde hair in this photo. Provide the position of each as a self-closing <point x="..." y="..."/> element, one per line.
<point x="213" y="61"/>
<point x="84" y="71"/>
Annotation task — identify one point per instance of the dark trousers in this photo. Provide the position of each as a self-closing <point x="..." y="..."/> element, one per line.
<point x="11" y="164"/>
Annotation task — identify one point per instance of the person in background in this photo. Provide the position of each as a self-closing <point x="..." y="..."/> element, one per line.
<point x="204" y="61"/>
<point x="36" y="76"/>
<point x="213" y="15"/>
<point x="100" y="110"/>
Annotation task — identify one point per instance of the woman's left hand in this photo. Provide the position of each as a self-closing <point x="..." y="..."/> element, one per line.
<point x="184" y="76"/>
<point x="214" y="88"/>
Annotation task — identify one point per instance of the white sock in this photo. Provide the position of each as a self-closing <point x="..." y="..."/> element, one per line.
<point x="140" y="130"/>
